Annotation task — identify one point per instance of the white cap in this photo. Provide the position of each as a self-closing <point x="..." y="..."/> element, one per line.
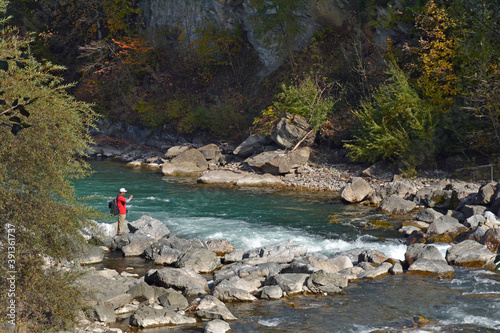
<point x="123" y="190"/>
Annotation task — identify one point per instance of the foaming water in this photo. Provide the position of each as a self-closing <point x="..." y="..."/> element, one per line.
<point x="251" y="218"/>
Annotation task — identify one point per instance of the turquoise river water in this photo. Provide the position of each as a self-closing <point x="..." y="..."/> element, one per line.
<point x="255" y="217"/>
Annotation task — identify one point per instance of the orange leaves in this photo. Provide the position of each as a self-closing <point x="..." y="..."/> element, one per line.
<point x="133" y="50"/>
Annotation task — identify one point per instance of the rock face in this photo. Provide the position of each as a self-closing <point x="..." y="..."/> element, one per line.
<point x="356" y="190"/>
<point x="149" y="227"/>
<point x="290" y="129"/>
<point x="468" y="253"/>
<point x="189" y="163"/>
<point x="253" y="145"/>
<point x="396" y="205"/>
<point x="184" y="279"/>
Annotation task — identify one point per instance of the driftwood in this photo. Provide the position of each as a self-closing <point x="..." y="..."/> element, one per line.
<point x="301" y="140"/>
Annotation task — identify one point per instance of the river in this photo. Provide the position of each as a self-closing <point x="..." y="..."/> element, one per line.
<point x="254" y="217"/>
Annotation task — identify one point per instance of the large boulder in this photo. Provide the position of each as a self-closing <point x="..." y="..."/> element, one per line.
<point x="438" y="268"/>
<point x="189" y="163"/>
<point x="356" y="190"/>
<point x="175" y="151"/>
<point x="253" y="145"/>
<point x="290" y="129"/>
<point x="324" y="282"/>
<point x="199" y="260"/>
<point x="433" y="196"/>
<point x="183" y="279"/>
<point x="150" y="227"/>
<point x="103" y="313"/>
<point x="88" y="254"/>
<point x="211" y="152"/>
<point x="175" y="243"/>
<point x="444" y="224"/>
<point x="173" y="300"/>
<point x="468" y="253"/>
<point x="105" y="289"/>
<point x="417" y="250"/>
<point x="137" y="244"/>
<point x="284" y="163"/>
<point x="210" y="307"/>
<point x="259" y="160"/>
<point x="147" y="316"/>
<point x="396" y="205"/>
<point x="471" y="210"/>
<point x="291" y="283"/>
<point x="142" y="292"/>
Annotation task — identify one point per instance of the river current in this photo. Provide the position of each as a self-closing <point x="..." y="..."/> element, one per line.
<point x="255" y="217"/>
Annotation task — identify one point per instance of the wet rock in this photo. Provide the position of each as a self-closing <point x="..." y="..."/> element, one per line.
<point x="396" y="205"/>
<point x="323" y="282"/>
<point x="356" y="190"/>
<point x="149" y="227"/>
<point x="217" y="326"/>
<point x="372" y="256"/>
<point x="417" y="251"/>
<point x="492" y="240"/>
<point x="444" y="224"/>
<point x="253" y="145"/>
<point x="173" y="300"/>
<point x="289" y="283"/>
<point x="442" y="238"/>
<point x="271" y="292"/>
<point x="147" y="316"/>
<point x="184" y="279"/>
<point x="290" y="129"/>
<point x="438" y="268"/>
<point x="176" y="151"/>
<point x="428" y="215"/>
<point x="137" y="244"/>
<point x="485" y="194"/>
<point x="471" y="210"/>
<point x="376" y="272"/>
<point x="209" y="307"/>
<point x="199" y="260"/>
<point x="189" y="163"/>
<point x="468" y="253"/>
<point x="232" y="294"/>
<point x="220" y="246"/>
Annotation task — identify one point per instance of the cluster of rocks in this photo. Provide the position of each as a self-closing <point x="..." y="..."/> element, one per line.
<point x="197" y="276"/>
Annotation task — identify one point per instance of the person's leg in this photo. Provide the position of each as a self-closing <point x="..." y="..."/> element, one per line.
<point x="121" y="224"/>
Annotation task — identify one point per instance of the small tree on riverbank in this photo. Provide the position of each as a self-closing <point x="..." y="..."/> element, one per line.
<point x="40" y="217"/>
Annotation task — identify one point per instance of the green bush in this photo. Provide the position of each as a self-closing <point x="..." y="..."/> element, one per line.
<point x="396" y="124"/>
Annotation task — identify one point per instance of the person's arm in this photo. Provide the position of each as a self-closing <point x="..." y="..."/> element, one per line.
<point x="129" y="198"/>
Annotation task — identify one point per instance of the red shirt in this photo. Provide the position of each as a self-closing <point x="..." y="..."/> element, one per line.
<point x="121" y="204"/>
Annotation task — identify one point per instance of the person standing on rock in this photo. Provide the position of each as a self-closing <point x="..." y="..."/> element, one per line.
<point x="122" y="207"/>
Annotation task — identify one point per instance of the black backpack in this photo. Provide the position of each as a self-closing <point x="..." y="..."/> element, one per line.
<point x="113" y="206"/>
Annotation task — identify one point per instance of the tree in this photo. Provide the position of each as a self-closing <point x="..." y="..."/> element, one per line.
<point x="40" y="217"/>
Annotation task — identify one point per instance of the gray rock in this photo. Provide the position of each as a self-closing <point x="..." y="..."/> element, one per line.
<point x="444" y="224"/>
<point x="474" y="221"/>
<point x="376" y="170"/>
<point x="104" y="313"/>
<point x="471" y="210"/>
<point x="283" y="252"/>
<point x="217" y="326"/>
<point x="173" y="242"/>
<point x="438" y="268"/>
<point x="290" y="129"/>
<point x="244" y="270"/>
<point x="416" y="251"/>
<point x="209" y="307"/>
<point x="176" y="151"/>
<point x="284" y="163"/>
<point x="149" y="227"/>
<point x="289" y="283"/>
<point x="221" y="177"/>
<point x="329" y="265"/>
<point x="184" y="279"/>
<point x="188" y="163"/>
<point x="220" y="246"/>
<point x="199" y="260"/>
<point x="396" y="205"/>
<point x="167" y="256"/>
<point x="173" y="300"/>
<point x="323" y="282"/>
<point x="377" y="272"/>
<point x="259" y="160"/>
<point x="485" y="194"/>
<point x="247" y="284"/>
<point x="372" y="256"/>
<point x="271" y="292"/>
<point x="396" y="269"/>
<point x="211" y="152"/>
<point x="88" y="254"/>
<point x="104" y="290"/>
<point x="356" y="190"/>
<point x="147" y="316"/>
<point x="232" y="294"/>
<point x="475" y="234"/>
<point x="428" y="215"/>
<point x="253" y="145"/>
<point x="137" y="245"/>
<point x="468" y="253"/>
<point x="259" y="180"/>
<point x="433" y="196"/>
<point x="492" y="239"/>
<point x="456" y="214"/>
<point x="142" y="292"/>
